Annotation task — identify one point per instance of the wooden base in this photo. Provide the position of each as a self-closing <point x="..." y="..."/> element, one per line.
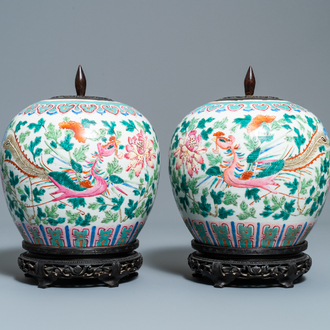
<point x="109" y="265"/>
<point x="223" y="266"/>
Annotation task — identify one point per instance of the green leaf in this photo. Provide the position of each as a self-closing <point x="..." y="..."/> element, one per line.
<point x="111" y="127"/>
<point x="192" y="185"/>
<point x="267" y="211"/>
<point x="79" y="154"/>
<point x="299" y="139"/>
<point x="33" y="144"/>
<point x="223" y="213"/>
<point x="37" y="193"/>
<point x="184" y="201"/>
<point x="313" y="209"/>
<point x="322" y="182"/>
<point x="214" y="171"/>
<point x="293" y="186"/>
<point x="130" y="126"/>
<point x="77" y="201"/>
<point x="184" y="185"/>
<point x="23" y="136"/>
<point x="243" y="121"/>
<point x="275" y="126"/>
<point x="252" y="143"/>
<point x="86" y="122"/>
<point x="277" y="203"/>
<point x="246" y="211"/>
<point x="84" y="222"/>
<point x="76" y="166"/>
<point x="252" y="194"/>
<point x="131" y="174"/>
<point x="131" y="208"/>
<point x="310" y="123"/>
<point x="37" y="127"/>
<point x="195" y="208"/>
<point x="51" y="212"/>
<point x="185" y="124"/>
<point x="221" y="124"/>
<point x="50" y="160"/>
<point x="117" y="202"/>
<point x="93" y="206"/>
<point x="175" y="143"/>
<point x="52" y="133"/>
<point x="217" y="196"/>
<point x="305" y="185"/>
<point x="289" y="206"/>
<point x="288" y="118"/>
<point x="205" y="134"/>
<point x="65" y="144"/>
<point x="114" y="167"/>
<point x="19" y="125"/>
<point x="146" y="127"/>
<point x="27" y="190"/>
<point x="205" y="191"/>
<point x="230" y="198"/>
<point x="214" y="160"/>
<point x="203" y="121"/>
<point x="192" y="124"/>
<point x="109" y="216"/>
<point x="204" y="206"/>
<point x="140" y="210"/>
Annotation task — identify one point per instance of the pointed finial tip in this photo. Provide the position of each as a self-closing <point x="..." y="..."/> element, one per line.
<point x="249" y="82"/>
<point x="80" y="82"/>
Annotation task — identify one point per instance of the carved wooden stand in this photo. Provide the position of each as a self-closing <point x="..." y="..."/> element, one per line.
<point x="224" y="265"/>
<point x="107" y="264"/>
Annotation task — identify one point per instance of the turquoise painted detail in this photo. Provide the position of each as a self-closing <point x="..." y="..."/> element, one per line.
<point x="104" y="237"/>
<point x="245" y="232"/>
<point x="124" y="235"/>
<point x="202" y="233"/>
<point x="21" y="230"/>
<point x="55" y="237"/>
<point x="222" y="235"/>
<point x="270" y="235"/>
<point x="290" y="236"/>
<point x="133" y="237"/>
<point x="307" y="231"/>
<point x="80" y="240"/>
<point x="35" y="236"/>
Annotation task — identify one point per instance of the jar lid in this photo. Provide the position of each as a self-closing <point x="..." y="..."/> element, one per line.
<point x="80" y="83"/>
<point x="249" y="86"/>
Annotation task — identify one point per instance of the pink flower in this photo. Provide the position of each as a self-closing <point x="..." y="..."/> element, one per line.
<point x="138" y="149"/>
<point x="189" y="149"/>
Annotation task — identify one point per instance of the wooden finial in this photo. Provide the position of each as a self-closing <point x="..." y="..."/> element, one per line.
<point x="80" y="82"/>
<point x="249" y="82"/>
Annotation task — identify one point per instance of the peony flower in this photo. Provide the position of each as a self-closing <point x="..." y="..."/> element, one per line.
<point x="138" y="150"/>
<point x="190" y="151"/>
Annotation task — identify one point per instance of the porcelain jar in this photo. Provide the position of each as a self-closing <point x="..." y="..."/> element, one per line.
<point x="80" y="172"/>
<point x="250" y="172"/>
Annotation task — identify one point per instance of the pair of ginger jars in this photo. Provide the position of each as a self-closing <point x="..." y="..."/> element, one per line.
<point x="246" y="172"/>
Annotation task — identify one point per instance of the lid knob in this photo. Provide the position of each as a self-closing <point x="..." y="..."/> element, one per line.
<point x="80" y="82"/>
<point x="249" y="82"/>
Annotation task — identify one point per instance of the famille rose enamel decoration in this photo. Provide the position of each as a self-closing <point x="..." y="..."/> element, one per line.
<point x="250" y="172"/>
<point x="80" y="172"/>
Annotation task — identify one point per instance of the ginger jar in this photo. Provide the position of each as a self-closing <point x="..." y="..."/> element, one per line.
<point x="250" y="172"/>
<point x="79" y="172"/>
